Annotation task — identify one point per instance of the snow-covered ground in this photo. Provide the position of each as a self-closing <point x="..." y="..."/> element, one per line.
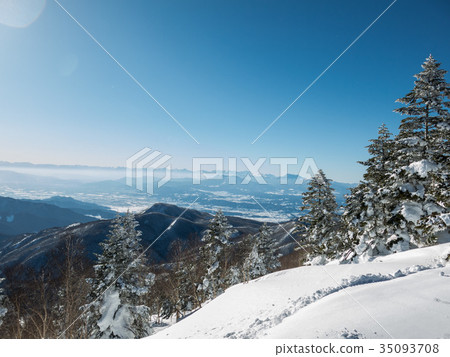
<point x="405" y="295"/>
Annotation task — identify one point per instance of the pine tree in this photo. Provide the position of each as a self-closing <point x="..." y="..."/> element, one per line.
<point x="121" y="281"/>
<point x="262" y="259"/>
<point x="380" y="164"/>
<point x="369" y="205"/>
<point x="404" y="198"/>
<point x="420" y="181"/>
<point x="353" y="220"/>
<point x="3" y="309"/>
<point x="215" y="254"/>
<point x="424" y="132"/>
<point x="321" y="221"/>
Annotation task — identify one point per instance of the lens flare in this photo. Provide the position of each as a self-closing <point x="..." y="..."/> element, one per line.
<point x="20" y="13"/>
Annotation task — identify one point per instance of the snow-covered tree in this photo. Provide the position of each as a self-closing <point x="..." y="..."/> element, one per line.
<point x="404" y="198"/>
<point x="215" y="254"/>
<point x="235" y="276"/>
<point x="181" y="299"/>
<point x="353" y="220"/>
<point x="3" y="309"/>
<point x="424" y="133"/>
<point x="121" y="281"/>
<point x="420" y="182"/>
<point x="369" y="205"/>
<point x="321" y="221"/>
<point x="380" y="164"/>
<point x="186" y="300"/>
<point x="262" y="259"/>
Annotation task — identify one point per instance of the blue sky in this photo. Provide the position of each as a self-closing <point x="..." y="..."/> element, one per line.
<point x="224" y="69"/>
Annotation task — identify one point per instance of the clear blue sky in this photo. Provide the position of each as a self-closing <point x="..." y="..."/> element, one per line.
<point x="224" y="69"/>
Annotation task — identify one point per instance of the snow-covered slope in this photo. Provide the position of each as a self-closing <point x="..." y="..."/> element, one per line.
<point x="405" y="295"/>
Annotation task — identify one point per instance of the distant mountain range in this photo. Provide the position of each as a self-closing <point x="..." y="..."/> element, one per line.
<point x="32" y="216"/>
<point x="84" y="208"/>
<point x="280" y="201"/>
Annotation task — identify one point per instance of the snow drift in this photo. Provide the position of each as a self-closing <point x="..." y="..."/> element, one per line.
<point x="404" y="295"/>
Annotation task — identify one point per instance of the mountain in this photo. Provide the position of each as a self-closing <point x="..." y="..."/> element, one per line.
<point x="404" y="295"/>
<point x="84" y="208"/>
<point x="281" y="200"/>
<point x="21" y="216"/>
<point x="161" y="224"/>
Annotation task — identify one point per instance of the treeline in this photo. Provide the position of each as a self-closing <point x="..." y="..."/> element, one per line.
<point x="121" y="295"/>
<point x="403" y="200"/>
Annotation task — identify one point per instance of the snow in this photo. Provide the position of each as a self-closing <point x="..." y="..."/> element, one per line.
<point x="445" y="218"/>
<point x="114" y="315"/>
<point x="422" y="167"/>
<point x="95" y="216"/>
<point x="406" y="296"/>
<point x="73" y="225"/>
<point x="403" y="295"/>
<point x="411" y="211"/>
<point x="111" y="303"/>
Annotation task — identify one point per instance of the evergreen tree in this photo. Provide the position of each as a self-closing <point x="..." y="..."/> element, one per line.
<point x="420" y="181"/>
<point x="352" y="220"/>
<point x="404" y="198"/>
<point x="424" y="132"/>
<point x="121" y="281"/>
<point x="321" y="221"/>
<point x="238" y="272"/>
<point x="215" y="253"/>
<point x="369" y="205"/>
<point x="380" y="164"/>
<point x="3" y="309"/>
<point x="262" y="259"/>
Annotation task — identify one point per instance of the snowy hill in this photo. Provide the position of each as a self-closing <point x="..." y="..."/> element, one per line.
<point x="32" y="248"/>
<point x="405" y="295"/>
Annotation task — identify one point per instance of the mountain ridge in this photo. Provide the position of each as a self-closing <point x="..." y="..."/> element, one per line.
<point x="153" y="222"/>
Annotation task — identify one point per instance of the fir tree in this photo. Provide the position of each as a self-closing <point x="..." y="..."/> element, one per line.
<point x="404" y="198"/>
<point x="121" y="281"/>
<point x="424" y="132"/>
<point x="380" y="164"/>
<point x="420" y="180"/>
<point x="321" y="220"/>
<point x="215" y="254"/>
<point x="369" y="205"/>
<point x="352" y="219"/>
<point x="262" y="259"/>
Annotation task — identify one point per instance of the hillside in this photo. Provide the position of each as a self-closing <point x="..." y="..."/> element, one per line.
<point x="84" y="208"/>
<point x="32" y="248"/>
<point x="22" y="216"/>
<point x="404" y="295"/>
